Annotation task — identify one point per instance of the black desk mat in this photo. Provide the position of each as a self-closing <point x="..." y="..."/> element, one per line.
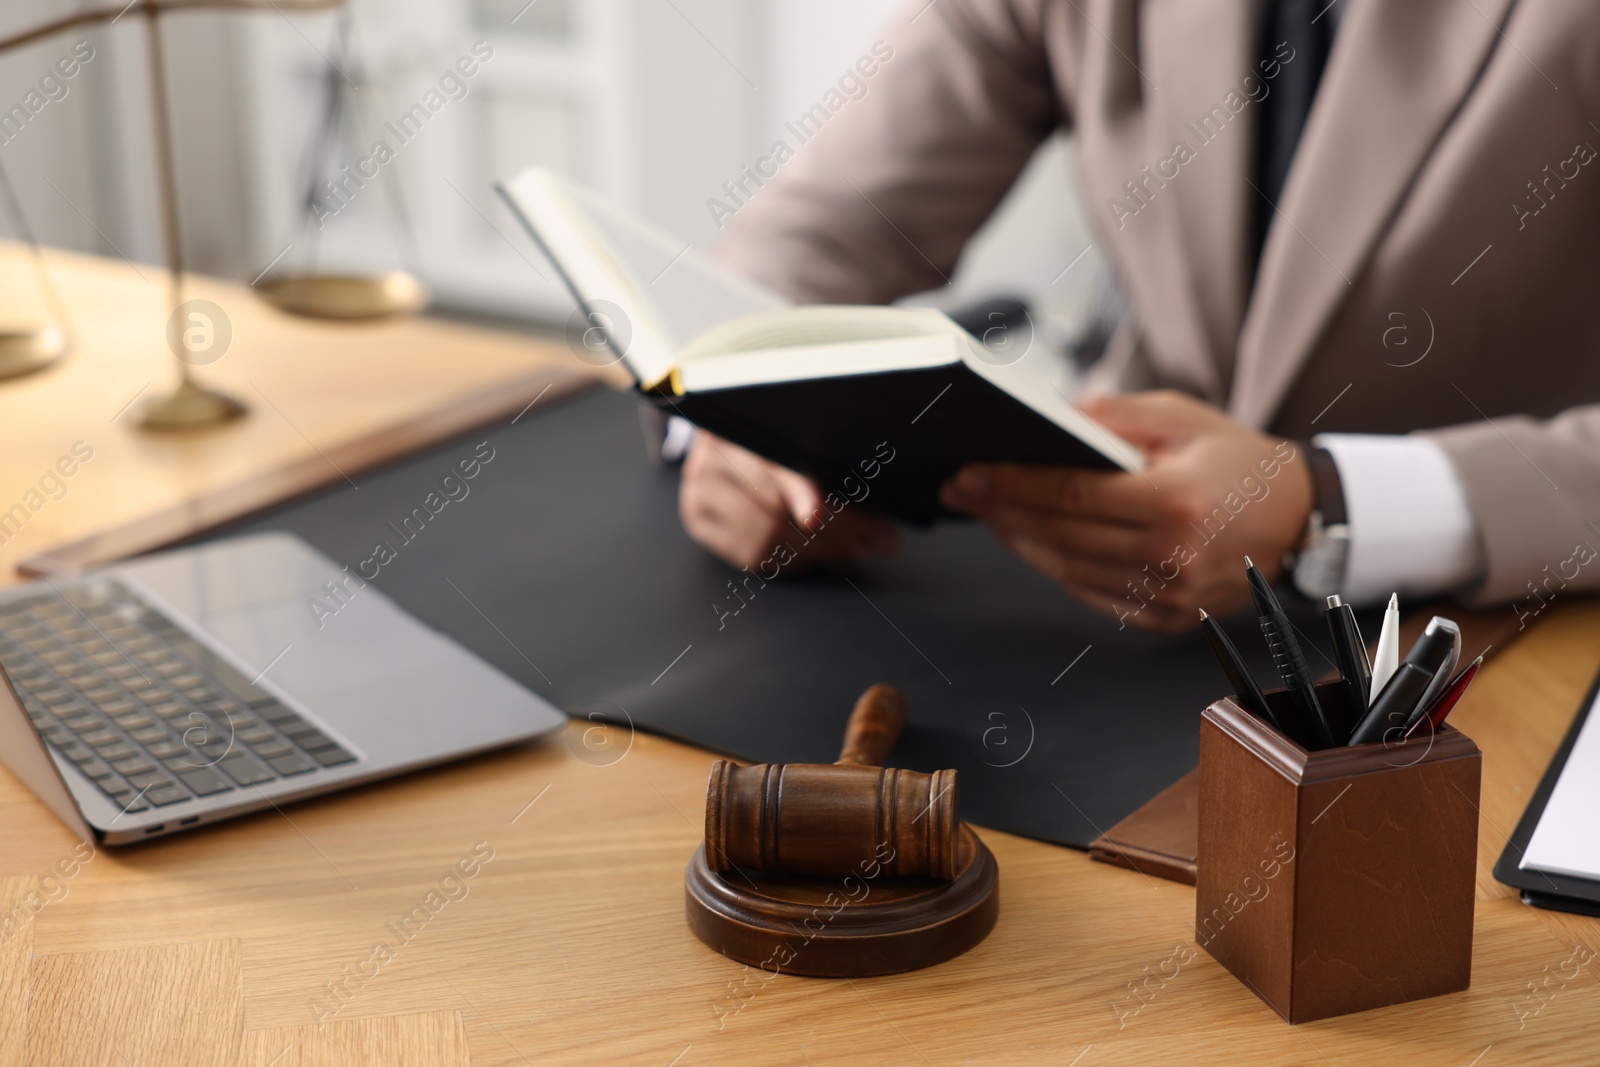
<point x="566" y="567"/>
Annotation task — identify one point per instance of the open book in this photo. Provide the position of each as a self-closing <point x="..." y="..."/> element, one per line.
<point x="880" y="404"/>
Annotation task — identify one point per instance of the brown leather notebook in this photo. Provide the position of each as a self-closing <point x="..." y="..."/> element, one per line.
<point x="1161" y="837"/>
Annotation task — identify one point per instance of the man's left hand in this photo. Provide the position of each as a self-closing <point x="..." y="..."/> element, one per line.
<point x="1152" y="548"/>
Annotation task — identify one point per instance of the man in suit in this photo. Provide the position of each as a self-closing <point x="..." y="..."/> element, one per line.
<point x="1359" y="240"/>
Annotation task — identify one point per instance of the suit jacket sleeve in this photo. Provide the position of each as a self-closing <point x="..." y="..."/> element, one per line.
<point x="1532" y="485"/>
<point x="878" y="203"/>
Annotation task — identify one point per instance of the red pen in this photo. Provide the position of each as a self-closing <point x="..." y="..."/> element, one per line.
<point x="1445" y="702"/>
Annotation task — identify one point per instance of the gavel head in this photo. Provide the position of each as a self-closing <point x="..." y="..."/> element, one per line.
<point x="832" y="820"/>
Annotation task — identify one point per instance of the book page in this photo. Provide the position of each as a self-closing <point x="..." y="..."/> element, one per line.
<point x="818" y="324"/>
<point x="690" y="293"/>
<point x="807" y="361"/>
<point x="668" y="291"/>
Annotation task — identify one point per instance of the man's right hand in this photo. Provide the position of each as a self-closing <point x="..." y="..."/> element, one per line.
<point x="742" y="507"/>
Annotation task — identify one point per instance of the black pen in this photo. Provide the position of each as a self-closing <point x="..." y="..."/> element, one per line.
<point x="1244" y="685"/>
<point x="1405" y="697"/>
<point x="1291" y="663"/>
<point x="1355" y="670"/>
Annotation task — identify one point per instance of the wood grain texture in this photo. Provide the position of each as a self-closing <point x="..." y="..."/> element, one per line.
<point x="18" y="899"/>
<point x="177" y="1004"/>
<point x="835" y="820"/>
<point x="314" y="389"/>
<point x="1339" y="880"/>
<point x="864" y="923"/>
<point x="437" y="1039"/>
<point x="570" y="946"/>
<point x="832" y="819"/>
<point x="1160" y="838"/>
<point x="262" y="491"/>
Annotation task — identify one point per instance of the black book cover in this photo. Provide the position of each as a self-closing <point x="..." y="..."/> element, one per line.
<point x="886" y="440"/>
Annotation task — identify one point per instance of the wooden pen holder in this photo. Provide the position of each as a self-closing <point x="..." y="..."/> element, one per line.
<point x="1335" y="881"/>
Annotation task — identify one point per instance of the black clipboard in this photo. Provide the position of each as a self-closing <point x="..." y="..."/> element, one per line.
<point x="1544" y="889"/>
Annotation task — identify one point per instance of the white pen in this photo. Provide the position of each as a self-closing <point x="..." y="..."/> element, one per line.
<point x="1387" y="659"/>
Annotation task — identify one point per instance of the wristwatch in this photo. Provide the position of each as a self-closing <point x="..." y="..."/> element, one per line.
<point x="1317" y="566"/>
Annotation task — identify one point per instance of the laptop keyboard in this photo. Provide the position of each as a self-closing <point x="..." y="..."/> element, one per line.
<point x="149" y="714"/>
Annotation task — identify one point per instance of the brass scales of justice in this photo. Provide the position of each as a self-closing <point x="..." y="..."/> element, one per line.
<point x="26" y="347"/>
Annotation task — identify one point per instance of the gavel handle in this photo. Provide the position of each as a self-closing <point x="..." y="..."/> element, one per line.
<point x="875" y="725"/>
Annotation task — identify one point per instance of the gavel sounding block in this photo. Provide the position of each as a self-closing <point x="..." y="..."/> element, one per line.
<point x="864" y="923"/>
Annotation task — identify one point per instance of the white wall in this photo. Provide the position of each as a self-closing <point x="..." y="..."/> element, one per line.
<point x="811" y="43"/>
<point x="85" y="168"/>
<point x="68" y="201"/>
<point x="656" y="103"/>
<point x="1037" y="231"/>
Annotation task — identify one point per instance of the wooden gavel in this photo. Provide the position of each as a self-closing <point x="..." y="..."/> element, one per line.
<point x="849" y="817"/>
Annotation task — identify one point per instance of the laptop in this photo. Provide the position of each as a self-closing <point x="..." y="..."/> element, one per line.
<point x="191" y="686"/>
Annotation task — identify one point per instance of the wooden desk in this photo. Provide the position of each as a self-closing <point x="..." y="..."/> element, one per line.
<point x="569" y="945"/>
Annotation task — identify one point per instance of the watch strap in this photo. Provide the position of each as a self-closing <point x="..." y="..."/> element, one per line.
<point x="1327" y="490"/>
<point x="1317" y="566"/>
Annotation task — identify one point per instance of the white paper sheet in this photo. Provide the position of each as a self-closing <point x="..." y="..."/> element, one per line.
<point x="1567" y="839"/>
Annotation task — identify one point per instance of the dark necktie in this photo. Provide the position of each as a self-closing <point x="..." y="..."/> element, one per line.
<point x="1306" y="26"/>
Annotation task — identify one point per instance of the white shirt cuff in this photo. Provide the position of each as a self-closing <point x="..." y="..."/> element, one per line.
<point x="680" y="435"/>
<point x="1411" y="529"/>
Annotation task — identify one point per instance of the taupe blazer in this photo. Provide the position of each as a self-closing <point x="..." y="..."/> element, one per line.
<point x="1446" y="186"/>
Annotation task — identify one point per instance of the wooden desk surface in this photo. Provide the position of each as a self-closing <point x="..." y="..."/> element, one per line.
<point x="568" y="945"/>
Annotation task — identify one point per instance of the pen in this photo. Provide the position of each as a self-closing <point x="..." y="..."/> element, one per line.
<point x="1387" y="659"/>
<point x="1393" y="706"/>
<point x="1447" y="635"/>
<point x="1291" y="663"/>
<point x="1430" y="721"/>
<point x="1244" y="685"/>
<point x="1413" y="685"/>
<point x="1355" y="672"/>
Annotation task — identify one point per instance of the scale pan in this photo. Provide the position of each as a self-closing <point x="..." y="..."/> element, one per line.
<point x="27" y="348"/>
<point x="346" y="297"/>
